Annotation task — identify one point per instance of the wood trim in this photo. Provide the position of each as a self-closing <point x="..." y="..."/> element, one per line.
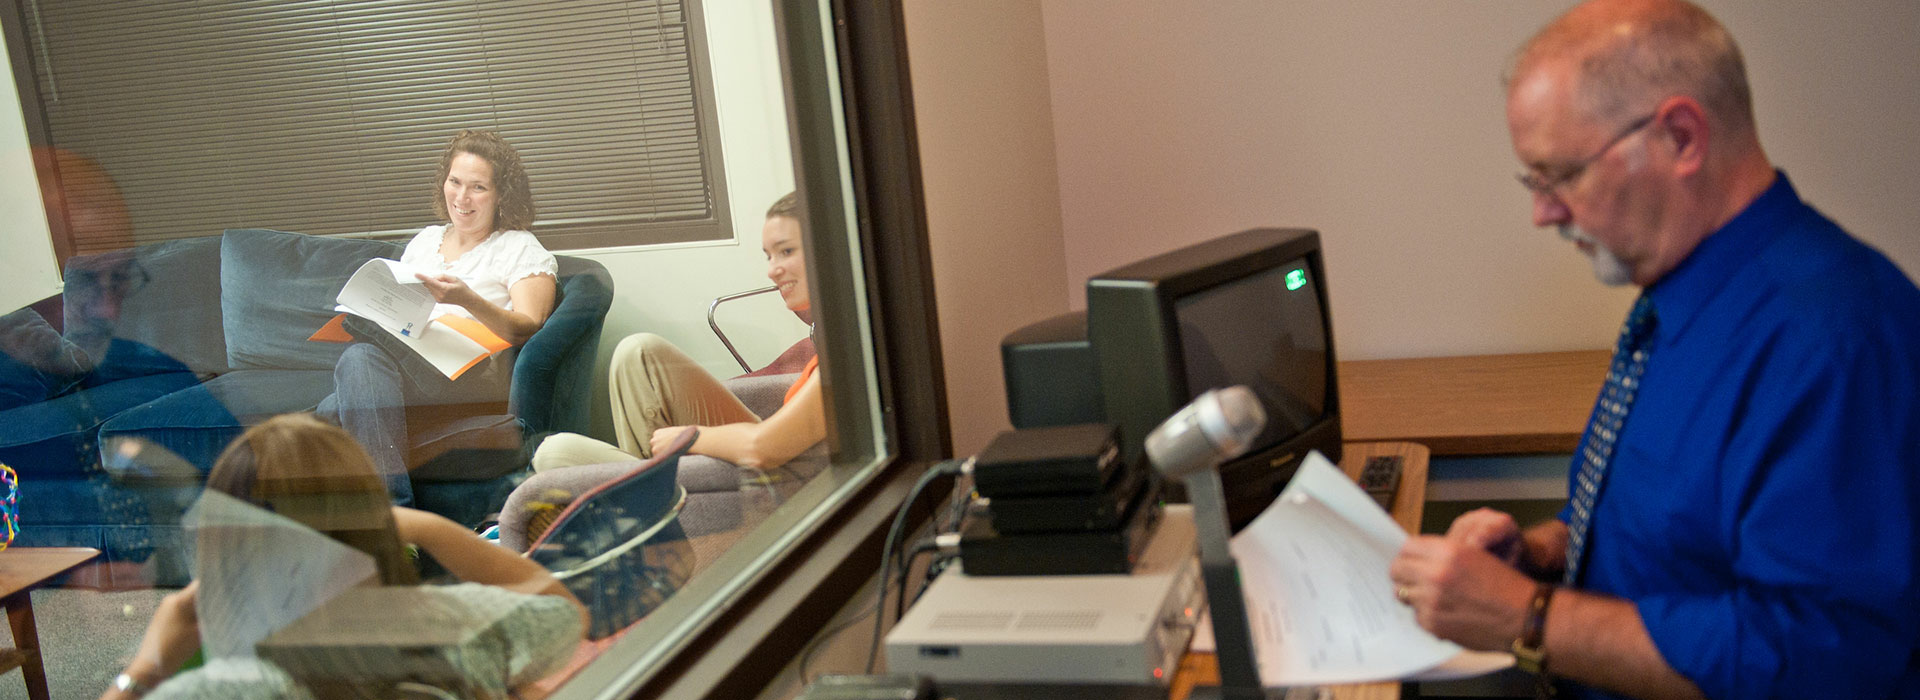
<point x="1477" y="405"/>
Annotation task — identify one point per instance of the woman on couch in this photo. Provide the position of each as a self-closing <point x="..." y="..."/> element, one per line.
<point x="314" y="473"/>
<point x="487" y="267"/>
<point x="658" y="391"/>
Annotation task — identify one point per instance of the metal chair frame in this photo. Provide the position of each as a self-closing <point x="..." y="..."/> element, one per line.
<point x="711" y="323"/>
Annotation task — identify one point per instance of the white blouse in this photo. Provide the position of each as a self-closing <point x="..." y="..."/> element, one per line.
<point x="491" y="268"/>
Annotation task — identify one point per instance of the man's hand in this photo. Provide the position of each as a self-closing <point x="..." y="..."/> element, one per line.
<point x="1491" y="530"/>
<point x="1461" y="593"/>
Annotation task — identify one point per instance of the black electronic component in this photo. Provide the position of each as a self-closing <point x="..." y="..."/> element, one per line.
<point x="985" y="551"/>
<point x="1380" y="478"/>
<point x="1101" y="510"/>
<point x="1050" y="375"/>
<point x="1042" y="461"/>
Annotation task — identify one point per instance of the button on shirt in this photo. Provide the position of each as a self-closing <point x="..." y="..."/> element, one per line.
<point x="1762" y="509"/>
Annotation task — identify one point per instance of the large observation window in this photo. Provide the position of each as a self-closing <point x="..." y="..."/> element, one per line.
<point x="786" y="97"/>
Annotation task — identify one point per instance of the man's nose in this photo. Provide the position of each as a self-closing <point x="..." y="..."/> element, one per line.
<point x="1548" y="210"/>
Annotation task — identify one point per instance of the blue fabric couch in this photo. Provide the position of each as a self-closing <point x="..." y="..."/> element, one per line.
<point x="210" y="338"/>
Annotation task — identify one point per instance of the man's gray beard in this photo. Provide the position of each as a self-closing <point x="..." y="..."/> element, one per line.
<point x="1607" y="267"/>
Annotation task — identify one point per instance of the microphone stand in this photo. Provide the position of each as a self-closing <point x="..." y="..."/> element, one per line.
<point x="1232" y="639"/>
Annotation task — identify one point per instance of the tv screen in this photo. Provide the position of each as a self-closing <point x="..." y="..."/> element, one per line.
<point x="1262" y="331"/>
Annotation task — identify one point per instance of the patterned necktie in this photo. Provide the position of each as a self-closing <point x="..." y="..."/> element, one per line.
<point x="1616" y="398"/>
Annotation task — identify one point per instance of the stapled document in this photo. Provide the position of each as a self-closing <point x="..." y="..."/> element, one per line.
<point x="388" y="293"/>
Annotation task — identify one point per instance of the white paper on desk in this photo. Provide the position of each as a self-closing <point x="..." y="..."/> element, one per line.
<point x="1313" y="568"/>
<point x="387" y="293"/>
<point x="259" y="571"/>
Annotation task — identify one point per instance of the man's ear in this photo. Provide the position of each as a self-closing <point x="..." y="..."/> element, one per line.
<point x="1684" y="122"/>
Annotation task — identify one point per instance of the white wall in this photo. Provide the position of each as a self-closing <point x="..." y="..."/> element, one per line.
<point x="666" y="289"/>
<point x="663" y="289"/>
<point x="23" y="220"/>
<point x="1379" y="123"/>
<point x="993" y="210"/>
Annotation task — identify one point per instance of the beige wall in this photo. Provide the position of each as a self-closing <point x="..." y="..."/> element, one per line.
<point x="993" y="207"/>
<point x="1379" y="123"/>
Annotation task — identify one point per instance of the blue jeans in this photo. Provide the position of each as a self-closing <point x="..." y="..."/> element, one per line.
<point x="373" y="386"/>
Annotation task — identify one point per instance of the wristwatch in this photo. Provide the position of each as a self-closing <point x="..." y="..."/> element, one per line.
<point x="1529" y="652"/>
<point x="128" y="684"/>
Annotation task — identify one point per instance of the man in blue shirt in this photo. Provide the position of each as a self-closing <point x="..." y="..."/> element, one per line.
<point x="1742" y="515"/>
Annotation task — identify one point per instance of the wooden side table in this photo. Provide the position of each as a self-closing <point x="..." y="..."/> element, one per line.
<point x="1204" y="669"/>
<point x="21" y="570"/>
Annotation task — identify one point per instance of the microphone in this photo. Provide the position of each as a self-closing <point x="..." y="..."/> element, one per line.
<point x="1219" y="425"/>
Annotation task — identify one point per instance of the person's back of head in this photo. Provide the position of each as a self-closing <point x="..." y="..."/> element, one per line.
<point x="315" y="473"/>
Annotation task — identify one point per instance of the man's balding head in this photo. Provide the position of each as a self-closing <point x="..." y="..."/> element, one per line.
<point x="1625" y="55"/>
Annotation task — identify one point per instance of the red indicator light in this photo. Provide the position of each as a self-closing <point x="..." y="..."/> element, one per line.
<point x="1158" y="673"/>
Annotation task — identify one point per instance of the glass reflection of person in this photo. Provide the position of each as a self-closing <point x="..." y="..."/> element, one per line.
<point x="657" y="390"/>
<point x="489" y="268"/>
<point x="38" y="362"/>
<point x="282" y="465"/>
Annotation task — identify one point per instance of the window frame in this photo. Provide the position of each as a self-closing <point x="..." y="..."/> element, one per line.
<point x="742" y="648"/>
<point x="562" y="238"/>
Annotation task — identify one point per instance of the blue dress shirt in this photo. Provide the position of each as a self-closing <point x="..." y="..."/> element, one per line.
<point x="1762" y="510"/>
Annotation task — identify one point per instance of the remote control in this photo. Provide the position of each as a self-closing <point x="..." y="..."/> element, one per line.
<point x="1381" y="478"/>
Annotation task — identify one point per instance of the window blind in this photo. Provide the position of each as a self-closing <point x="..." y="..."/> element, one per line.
<point x="328" y="116"/>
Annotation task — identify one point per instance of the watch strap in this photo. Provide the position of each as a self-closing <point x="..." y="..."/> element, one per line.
<point x="1529" y="651"/>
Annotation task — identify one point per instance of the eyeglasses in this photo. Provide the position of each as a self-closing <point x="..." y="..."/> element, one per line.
<point x="118" y="280"/>
<point x="1545" y="185"/>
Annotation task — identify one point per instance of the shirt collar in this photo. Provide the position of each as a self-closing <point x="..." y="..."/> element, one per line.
<point x="1680" y="295"/>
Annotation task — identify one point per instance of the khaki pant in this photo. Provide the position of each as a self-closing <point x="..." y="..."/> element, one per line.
<point x="653" y="385"/>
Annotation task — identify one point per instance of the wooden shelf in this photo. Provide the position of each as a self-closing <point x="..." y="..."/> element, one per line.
<point x="1477" y="405"/>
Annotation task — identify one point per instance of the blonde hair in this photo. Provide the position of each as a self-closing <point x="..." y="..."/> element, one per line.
<point x="315" y="473"/>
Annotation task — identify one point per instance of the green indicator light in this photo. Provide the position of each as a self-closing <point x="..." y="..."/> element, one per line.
<point x="1296" y="279"/>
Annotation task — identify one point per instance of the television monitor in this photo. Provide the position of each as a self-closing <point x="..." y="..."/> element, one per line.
<point x="1248" y="308"/>
<point x="1051" y="378"/>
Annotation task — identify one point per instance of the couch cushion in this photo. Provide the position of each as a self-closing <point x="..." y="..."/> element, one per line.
<point x="175" y="310"/>
<point x="50" y="438"/>
<point x="197" y="423"/>
<point x="277" y="288"/>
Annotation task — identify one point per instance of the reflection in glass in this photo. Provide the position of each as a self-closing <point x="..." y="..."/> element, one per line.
<point x="164" y="351"/>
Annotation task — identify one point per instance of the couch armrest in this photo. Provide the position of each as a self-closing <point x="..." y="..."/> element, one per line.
<point x="553" y="375"/>
<point x="763" y="394"/>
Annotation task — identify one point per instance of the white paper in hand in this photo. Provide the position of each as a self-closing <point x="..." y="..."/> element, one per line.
<point x="387" y="292"/>
<point x="1313" y="567"/>
<point x="259" y="571"/>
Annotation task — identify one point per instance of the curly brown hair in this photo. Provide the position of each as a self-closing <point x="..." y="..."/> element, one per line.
<point x="514" y="197"/>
